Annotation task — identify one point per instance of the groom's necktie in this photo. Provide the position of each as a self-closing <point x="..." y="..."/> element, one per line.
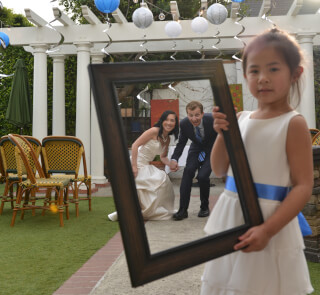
<point x="202" y="154"/>
<point x="198" y="134"/>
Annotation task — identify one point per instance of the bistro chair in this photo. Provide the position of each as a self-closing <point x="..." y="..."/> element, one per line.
<point x="9" y="167"/>
<point x="29" y="165"/>
<point x="316" y="139"/>
<point x="61" y="156"/>
<point x="313" y="132"/>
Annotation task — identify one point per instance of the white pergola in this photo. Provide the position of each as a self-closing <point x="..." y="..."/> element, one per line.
<point x="86" y="41"/>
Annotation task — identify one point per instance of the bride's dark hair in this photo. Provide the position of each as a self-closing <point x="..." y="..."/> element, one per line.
<point x="164" y="116"/>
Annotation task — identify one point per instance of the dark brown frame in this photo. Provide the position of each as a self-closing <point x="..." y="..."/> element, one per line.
<point x="144" y="266"/>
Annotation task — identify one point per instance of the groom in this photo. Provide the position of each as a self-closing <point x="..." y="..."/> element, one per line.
<point x="198" y="127"/>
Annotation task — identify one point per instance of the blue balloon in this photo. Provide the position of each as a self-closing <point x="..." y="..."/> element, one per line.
<point x="239" y="1"/>
<point x="5" y="38"/>
<point x="107" y="6"/>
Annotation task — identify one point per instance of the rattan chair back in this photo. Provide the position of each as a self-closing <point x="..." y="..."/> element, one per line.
<point x="316" y="139"/>
<point x="26" y="158"/>
<point x="62" y="154"/>
<point x="8" y="155"/>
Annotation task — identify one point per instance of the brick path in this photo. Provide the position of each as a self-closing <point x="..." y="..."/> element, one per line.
<point x="85" y="279"/>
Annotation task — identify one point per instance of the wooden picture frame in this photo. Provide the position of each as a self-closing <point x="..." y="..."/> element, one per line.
<point x="144" y="266"/>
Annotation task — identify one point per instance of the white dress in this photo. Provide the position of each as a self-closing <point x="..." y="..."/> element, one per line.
<point x="155" y="190"/>
<point x="280" y="268"/>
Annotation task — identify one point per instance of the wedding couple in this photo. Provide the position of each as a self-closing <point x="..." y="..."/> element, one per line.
<point x="155" y="190"/>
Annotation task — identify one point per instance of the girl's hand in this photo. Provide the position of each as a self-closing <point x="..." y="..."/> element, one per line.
<point x="255" y="239"/>
<point x="135" y="171"/>
<point x="220" y="120"/>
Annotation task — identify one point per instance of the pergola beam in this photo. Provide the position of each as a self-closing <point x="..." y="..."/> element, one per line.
<point x="174" y="10"/>
<point x="62" y="17"/>
<point x="295" y="8"/>
<point x="127" y="38"/>
<point x="204" y="7"/>
<point x="34" y="18"/>
<point x="90" y="16"/>
<point x="265" y="7"/>
<point x="235" y="6"/>
<point x="119" y="17"/>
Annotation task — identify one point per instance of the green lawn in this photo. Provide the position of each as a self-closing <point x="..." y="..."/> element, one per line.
<point x="314" y="269"/>
<point x="37" y="255"/>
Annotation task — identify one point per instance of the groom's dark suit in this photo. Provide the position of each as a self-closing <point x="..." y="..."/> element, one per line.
<point x="193" y="164"/>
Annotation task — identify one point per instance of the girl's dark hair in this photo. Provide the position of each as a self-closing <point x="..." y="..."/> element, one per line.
<point x="283" y="43"/>
<point x="164" y="116"/>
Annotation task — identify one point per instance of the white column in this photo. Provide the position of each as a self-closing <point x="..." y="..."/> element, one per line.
<point x="83" y="98"/>
<point x="58" y="96"/>
<point x="97" y="154"/>
<point x="307" y="105"/>
<point x="40" y="98"/>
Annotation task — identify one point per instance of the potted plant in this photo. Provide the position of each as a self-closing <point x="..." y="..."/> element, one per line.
<point x="157" y="163"/>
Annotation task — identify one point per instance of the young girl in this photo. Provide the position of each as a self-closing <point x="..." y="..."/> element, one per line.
<point x="270" y="260"/>
<point x="155" y="190"/>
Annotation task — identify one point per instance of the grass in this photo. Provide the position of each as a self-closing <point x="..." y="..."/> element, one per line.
<point x="314" y="269"/>
<point x="37" y="255"/>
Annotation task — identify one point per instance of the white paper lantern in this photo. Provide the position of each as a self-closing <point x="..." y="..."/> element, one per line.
<point x="173" y="29"/>
<point x="199" y="25"/>
<point x="217" y="14"/>
<point x="142" y="17"/>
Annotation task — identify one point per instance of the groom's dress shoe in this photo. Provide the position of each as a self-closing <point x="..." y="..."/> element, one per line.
<point x="181" y="214"/>
<point x="203" y="213"/>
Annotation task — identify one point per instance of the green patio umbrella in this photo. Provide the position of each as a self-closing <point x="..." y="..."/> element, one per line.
<point x="19" y="111"/>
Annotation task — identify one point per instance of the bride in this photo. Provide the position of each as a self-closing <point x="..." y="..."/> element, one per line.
<point x="155" y="190"/>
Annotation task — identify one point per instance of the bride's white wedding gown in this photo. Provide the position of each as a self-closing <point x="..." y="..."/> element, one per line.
<point x="155" y="190"/>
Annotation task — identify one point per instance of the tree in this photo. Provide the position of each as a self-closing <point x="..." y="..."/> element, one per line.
<point x="8" y="58"/>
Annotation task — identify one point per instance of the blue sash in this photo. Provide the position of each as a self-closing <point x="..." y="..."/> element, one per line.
<point x="275" y="193"/>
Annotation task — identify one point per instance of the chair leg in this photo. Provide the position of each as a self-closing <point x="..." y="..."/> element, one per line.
<point x="60" y="206"/>
<point x="4" y="197"/>
<point x="48" y="197"/>
<point x="16" y="208"/>
<point x="76" y="198"/>
<point x="89" y="194"/>
<point x="66" y="201"/>
<point x="33" y="201"/>
<point x="25" y="203"/>
<point x="11" y="194"/>
<point x="14" y="214"/>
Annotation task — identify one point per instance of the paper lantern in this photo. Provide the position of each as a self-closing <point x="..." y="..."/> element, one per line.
<point x="107" y="6"/>
<point x="217" y="14"/>
<point x="142" y="17"/>
<point x="4" y="40"/>
<point x="173" y="29"/>
<point x="199" y="25"/>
